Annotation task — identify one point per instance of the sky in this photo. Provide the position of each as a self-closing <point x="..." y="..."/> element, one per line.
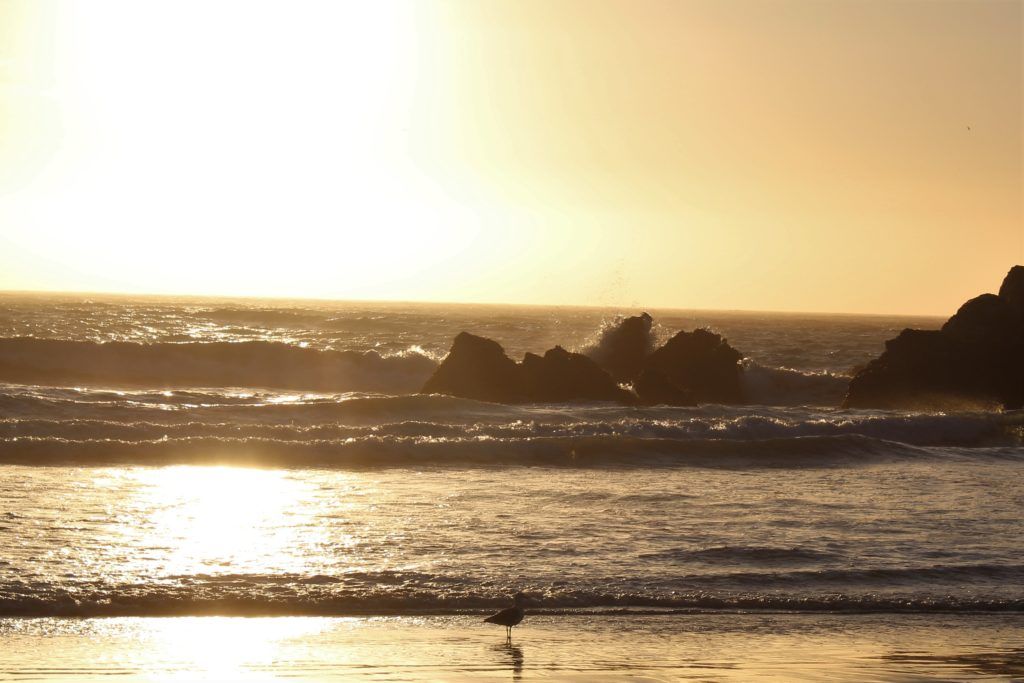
<point x="796" y="155"/>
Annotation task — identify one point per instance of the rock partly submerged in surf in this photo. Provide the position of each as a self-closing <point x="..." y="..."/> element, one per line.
<point x="691" y="368"/>
<point x="976" y="358"/>
<point x="561" y="375"/>
<point x="478" y="368"/>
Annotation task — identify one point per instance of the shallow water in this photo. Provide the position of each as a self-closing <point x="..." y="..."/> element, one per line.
<point x="926" y="533"/>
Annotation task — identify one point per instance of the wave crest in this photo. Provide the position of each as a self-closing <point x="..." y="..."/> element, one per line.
<point x="400" y="592"/>
<point x="765" y="385"/>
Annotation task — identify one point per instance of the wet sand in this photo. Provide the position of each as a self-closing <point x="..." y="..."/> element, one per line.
<point x="590" y="647"/>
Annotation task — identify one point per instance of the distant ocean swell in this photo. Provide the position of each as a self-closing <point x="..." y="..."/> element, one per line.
<point x="395" y="592"/>
<point x="61" y="362"/>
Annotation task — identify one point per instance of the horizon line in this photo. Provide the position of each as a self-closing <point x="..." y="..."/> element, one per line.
<point x="282" y="298"/>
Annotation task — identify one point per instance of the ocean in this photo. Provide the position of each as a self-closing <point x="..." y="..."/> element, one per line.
<point x="176" y="458"/>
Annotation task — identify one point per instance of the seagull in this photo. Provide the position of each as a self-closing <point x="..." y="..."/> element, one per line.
<point x="510" y="616"/>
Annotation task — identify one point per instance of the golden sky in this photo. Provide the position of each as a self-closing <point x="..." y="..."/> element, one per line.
<point x="817" y="155"/>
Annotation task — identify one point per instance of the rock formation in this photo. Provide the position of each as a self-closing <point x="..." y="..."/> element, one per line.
<point x="976" y="358"/>
<point x="477" y="367"/>
<point x="693" y="367"/>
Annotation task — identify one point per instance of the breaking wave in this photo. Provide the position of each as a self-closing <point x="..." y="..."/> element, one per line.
<point x="402" y="592"/>
<point x="65" y="425"/>
<point x="787" y="387"/>
<point x="421" y="446"/>
<point x="383" y="451"/>
<point x="742" y="555"/>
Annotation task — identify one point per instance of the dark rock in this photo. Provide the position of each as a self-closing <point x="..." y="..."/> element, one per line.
<point x="692" y="367"/>
<point x="983" y="317"/>
<point x="653" y="388"/>
<point x="622" y="349"/>
<point x="564" y="376"/>
<point x="976" y="358"/>
<point x="477" y="368"/>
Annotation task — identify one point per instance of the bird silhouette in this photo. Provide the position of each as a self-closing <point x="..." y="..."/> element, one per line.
<point x="510" y="616"/>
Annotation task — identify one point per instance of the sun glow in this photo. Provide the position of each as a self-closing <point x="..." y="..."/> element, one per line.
<point x="251" y="150"/>
<point x="665" y="154"/>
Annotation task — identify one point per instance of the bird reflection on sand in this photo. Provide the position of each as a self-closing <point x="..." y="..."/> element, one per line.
<point x="511" y="655"/>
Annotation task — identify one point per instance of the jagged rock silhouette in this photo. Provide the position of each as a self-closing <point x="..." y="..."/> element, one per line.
<point x="977" y="357"/>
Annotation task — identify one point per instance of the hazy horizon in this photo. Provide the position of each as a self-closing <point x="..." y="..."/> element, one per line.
<point x="794" y="156"/>
<point x="624" y="308"/>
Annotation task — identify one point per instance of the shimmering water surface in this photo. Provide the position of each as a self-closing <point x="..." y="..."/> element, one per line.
<point x="917" y="534"/>
<point x="275" y="459"/>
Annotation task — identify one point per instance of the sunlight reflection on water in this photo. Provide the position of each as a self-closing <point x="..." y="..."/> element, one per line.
<point x="203" y="519"/>
<point x="197" y="540"/>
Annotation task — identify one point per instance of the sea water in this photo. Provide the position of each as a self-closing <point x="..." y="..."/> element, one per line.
<point x="242" y="458"/>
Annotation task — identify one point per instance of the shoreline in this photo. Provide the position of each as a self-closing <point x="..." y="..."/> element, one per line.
<point x="721" y="647"/>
